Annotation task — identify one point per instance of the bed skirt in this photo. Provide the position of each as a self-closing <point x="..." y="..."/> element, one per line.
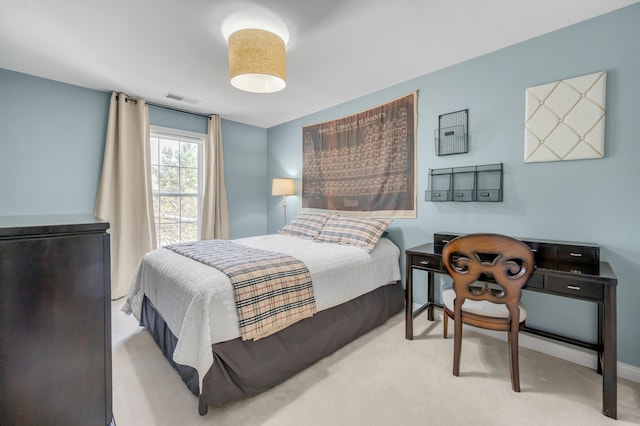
<point x="242" y="369"/>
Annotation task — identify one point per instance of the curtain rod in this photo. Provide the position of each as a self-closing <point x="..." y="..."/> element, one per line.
<point x="127" y="98"/>
<point x="176" y="110"/>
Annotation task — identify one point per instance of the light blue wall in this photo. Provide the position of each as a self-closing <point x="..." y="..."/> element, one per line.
<point x="245" y="171"/>
<point x="590" y="200"/>
<point x="284" y="155"/>
<point x="165" y="117"/>
<point x="52" y="142"/>
<point x="51" y="145"/>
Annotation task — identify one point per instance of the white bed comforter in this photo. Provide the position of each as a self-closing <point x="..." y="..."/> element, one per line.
<point x="197" y="303"/>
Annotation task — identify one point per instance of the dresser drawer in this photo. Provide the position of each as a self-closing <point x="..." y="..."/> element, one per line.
<point x="430" y="262"/>
<point x="576" y="288"/>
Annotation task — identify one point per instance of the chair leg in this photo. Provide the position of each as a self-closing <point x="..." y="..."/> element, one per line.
<point x="513" y="357"/>
<point x="457" y="340"/>
<point x="445" y="324"/>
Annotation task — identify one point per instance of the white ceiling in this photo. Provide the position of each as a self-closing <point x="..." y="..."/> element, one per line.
<point x="338" y="49"/>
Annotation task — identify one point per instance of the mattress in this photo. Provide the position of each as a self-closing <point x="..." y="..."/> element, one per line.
<point x="197" y="304"/>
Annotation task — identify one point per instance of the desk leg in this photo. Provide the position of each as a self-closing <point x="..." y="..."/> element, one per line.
<point x="610" y="361"/>
<point x="600" y="337"/>
<point x="408" y="308"/>
<point x="430" y="297"/>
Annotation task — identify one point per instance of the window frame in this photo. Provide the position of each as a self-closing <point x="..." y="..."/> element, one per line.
<point x="185" y="136"/>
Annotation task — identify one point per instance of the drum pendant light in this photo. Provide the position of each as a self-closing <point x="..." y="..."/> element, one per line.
<point x="257" y="61"/>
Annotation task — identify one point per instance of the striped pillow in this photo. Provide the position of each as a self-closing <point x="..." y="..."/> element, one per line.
<point x="306" y="224"/>
<point x="356" y="231"/>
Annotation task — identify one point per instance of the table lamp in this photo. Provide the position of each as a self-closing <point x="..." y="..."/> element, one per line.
<point x="284" y="187"/>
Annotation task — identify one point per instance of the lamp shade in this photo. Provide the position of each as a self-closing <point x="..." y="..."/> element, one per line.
<point x="282" y="186"/>
<point x="257" y="61"/>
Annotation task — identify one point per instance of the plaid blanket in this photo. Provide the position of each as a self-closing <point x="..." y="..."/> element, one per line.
<point x="272" y="290"/>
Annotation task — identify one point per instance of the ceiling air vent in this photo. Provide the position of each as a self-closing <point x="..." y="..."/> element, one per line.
<point x="179" y="98"/>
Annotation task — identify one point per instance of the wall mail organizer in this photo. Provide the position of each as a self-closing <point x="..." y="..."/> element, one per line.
<point x="471" y="183"/>
<point x="451" y="136"/>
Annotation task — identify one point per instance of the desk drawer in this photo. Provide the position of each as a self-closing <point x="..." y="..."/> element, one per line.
<point x="536" y="281"/>
<point x="441" y="239"/>
<point x="576" y="288"/>
<point x="430" y="262"/>
<point x="579" y="268"/>
<point x="544" y="254"/>
<point x="578" y="254"/>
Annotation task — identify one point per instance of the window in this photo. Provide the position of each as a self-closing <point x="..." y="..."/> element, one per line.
<point x="176" y="158"/>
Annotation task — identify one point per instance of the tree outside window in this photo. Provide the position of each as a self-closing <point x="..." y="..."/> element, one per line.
<point x="175" y="174"/>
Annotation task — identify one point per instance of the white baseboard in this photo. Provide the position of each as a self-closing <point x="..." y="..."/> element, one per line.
<point x="560" y="350"/>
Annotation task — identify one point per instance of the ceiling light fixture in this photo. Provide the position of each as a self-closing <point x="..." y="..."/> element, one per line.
<point x="257" y="61"/>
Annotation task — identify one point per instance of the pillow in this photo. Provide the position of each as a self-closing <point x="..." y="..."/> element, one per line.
<point x="363" y="232"/>
<point x="306" y="224"/>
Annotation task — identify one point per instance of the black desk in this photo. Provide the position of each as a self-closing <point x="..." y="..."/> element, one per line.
<point x="600" y="289"/>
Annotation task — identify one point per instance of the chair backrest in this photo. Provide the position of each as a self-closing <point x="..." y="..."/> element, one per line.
<point x="472" y="257"/>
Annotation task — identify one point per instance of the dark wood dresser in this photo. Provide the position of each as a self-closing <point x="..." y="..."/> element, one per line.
<point x="55" y="321"/>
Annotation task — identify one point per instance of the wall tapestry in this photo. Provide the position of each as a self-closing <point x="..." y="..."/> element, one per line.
<point x="564" y="120"/>
<point x="364" y="163"/>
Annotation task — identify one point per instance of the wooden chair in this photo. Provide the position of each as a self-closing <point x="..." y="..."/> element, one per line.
<point x="490" y="257"/>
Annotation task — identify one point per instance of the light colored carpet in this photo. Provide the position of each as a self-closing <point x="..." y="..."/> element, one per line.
<point x="380" y="379"/>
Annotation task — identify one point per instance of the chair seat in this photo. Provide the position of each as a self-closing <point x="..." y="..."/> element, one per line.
<point x="480" y="307"/>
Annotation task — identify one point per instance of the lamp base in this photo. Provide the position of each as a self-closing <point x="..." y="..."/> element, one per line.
<point x="284" y="208"/>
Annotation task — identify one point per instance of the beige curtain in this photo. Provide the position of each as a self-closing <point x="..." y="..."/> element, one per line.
<point x="124" y="194"/>
<point x="215" y="210"/>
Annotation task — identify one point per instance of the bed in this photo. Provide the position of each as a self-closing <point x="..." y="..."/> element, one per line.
<point x="189" y="308"/>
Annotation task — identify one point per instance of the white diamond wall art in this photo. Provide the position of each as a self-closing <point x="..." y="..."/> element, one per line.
<point x="564" y="120"/>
